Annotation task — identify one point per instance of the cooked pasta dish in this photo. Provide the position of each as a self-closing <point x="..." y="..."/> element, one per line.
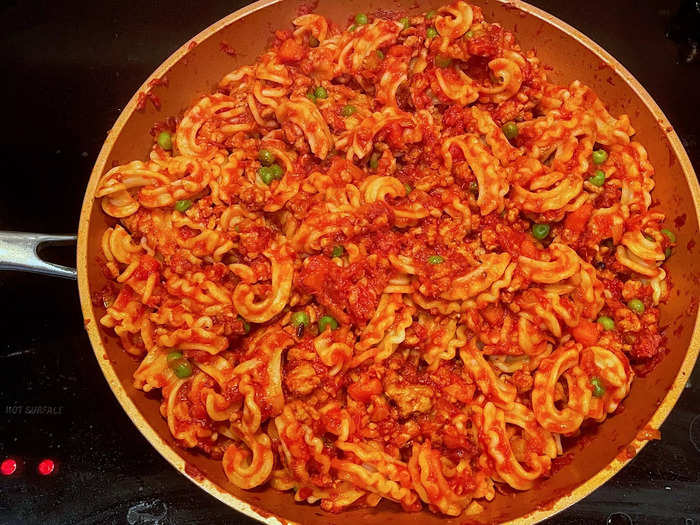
<point x="391" y="261"/>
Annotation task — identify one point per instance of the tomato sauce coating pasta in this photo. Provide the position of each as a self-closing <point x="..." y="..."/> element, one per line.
<point x="390" y="262"/>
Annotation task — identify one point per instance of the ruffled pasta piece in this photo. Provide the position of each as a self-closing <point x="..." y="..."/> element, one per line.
<point x="444" y="339"/>
<point x="430" y="482"/>
<point x="479" y="279"/>
<point x="554" y="199"/>
<point x="153" y="371"/>
<point x="300" y="445"/>
<point x="564" y="362"/>
<point x="646" y="267"/>
<point x="565" y="263"/>
<point x="376" y="188"/>
<point x="244" y="296"/>
<point x="128" y="317"/>
<point x="312" y="24"/>
<point x="492" y="184"/>
<point x="385" y="331"/>
<point x="612" y="368"/>
<point x="457" y="85"/>
<point x="536" y="446"/>
<point x="118" y="247"/>
<point x="493" y="387"/>
<point x="312" y="235"/>
<point x="377" y="472"/>
<point x="367" y="39"/>
<point x="642" y="247"/>
<point x="454" y="20"/>
<point x="259" y="377"/>
<point x="509" y="75"/>
<point x="395" y="74"/>
<point x="333" y="499"/>
<point x="251" y="466"/>
<point x="218" y="107"/>
<point x="114" y="187"/>
<point x="186" y="178"/>
<point x="305" y="114"/>
<point x="358" y="141"/>
<point x="332" y="353"/>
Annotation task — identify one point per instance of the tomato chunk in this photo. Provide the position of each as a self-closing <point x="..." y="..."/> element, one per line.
<point x="364" y="390"/>
<point x="291" y="51"/>
<point x="586" y="332"/>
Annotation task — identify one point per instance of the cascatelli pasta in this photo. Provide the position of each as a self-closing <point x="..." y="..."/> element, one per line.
<point x="389" y="262"/>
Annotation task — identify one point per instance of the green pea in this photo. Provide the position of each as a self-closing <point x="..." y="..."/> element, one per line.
<point x="598" y="388"/>
<point x="431" y="14"/>
<point x="606" y="322"/>
<point x="276" y="171"/>
<point x="352" y="28"/>
<point x="266" y="174"/>
<point x="245" y="325"/>
<point x="182" y="368"/>
<point x="405" y="22"/>
<point x="321" y="92"/>
<point x="337" y="251"/>
<point x="361" y="19"/>
<point x="300" y="318"/>
<point x="311" y="96"/>
<point x="374" y="161"/>
<point x="348" y="110"/>
<point x="540" y="231"/>
<point x="669" y="234"/>
<point x="266" y="157"/>
<point x="469" y="34"/>
<point x="436" y="259"/>
<point x="474" y="186"/>
<point x="326" y="321"/>
<point x="408" y="187"/>
<point x="183" y="205"/>
<point x="431" y="32"/>
<point x="442" y="61"/>
<point x="380" y="54"/>
<point x="636" y="306"/>
<point x="599" y="156"/>
<point x="172" y="356"/>
<point x="165" y="140"/>
<point x="598" y="178"/>
<point x="313" y="41"/>
<point x="510" y="130"/>
<point x="668" y="252"/>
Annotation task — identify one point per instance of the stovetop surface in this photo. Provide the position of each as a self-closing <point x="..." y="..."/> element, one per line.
<point x="69" y="67"/>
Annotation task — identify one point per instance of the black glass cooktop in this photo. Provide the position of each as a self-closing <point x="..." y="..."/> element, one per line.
<point x="68" y="68"/>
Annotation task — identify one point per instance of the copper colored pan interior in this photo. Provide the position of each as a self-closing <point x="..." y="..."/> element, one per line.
<point x="194" y="70"/>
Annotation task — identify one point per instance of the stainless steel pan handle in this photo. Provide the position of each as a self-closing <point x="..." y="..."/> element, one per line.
<point x="19" y="251"/>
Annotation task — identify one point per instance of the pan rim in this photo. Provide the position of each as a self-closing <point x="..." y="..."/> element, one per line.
<point x="168" y="452"/>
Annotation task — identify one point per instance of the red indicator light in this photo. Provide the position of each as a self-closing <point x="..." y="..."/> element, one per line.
<point x="46" y="467"/>
<point x="8" y="467"/>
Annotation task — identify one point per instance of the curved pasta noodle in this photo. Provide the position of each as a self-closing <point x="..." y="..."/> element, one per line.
<point x="261" y="311"/>
<point x="249" y="468"/>
<point x="563" y="362"/>
<point x="304" y="114"/>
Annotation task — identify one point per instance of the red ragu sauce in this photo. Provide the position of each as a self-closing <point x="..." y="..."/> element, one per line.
<point x="388" y="260"/>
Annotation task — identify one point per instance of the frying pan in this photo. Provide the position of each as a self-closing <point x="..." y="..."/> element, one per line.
<point x="195" y="69"/>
